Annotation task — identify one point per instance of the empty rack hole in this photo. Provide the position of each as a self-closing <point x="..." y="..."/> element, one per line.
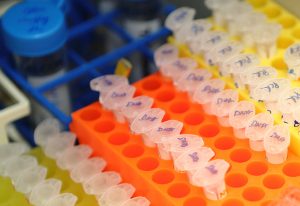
<point x="253" y="194"/>
<point x="118" y="138"/>
<point x="148" y="164"/>
<point x="258" y="3"/>
<point x="165" y="95"/>
<point x="236" y="180"/>
<point x="296" y="33"/>
<point x="151" y="84"/>
<point x="257" y="168"/>
<point x="105" y="126"/>
<point x="292" y="169"/>
<point x="273" y="181"/>
<point x="279" y="63"/>
<point x="209" y="130"/>
<point x="224" y="143"/>
<point x="133" y="151"/>
<point x="240" y="155"/>
<point x="194" y="118"/>
<point x="233" y="202"/>
<point x="179" y="190"/>
<point x="195" y="201"/>
<point x="90" y="115"/>
<point x="287" y="22"/>
<point x="163" y="177"/>
<point x="272" y="11"/>
<point x="284" y="42"/>
<point x="180" y="106"/>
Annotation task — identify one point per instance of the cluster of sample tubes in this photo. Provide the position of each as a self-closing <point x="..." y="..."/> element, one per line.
<point x="106" y="186"/>
<point x="187" y="151"/>
<point x="261" y="82"/>
<point x="29" y="178"/>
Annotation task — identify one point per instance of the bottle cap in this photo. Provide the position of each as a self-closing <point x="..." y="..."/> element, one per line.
<point x="34" y="29"/>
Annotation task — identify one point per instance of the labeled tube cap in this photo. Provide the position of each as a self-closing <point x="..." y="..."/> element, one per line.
<point x="211" y="177"/>
<point x="100" y="182"/>
<point x="34" y="29"/>
<point x="45" y="130"/>
<point x="207" y="90"/>
<point x="289" y="101"/>
<point x="176" y="68"/>
<point x="135" y="106"/>
<point x="117" y="195"/>
<point x="44" y="191"/>
<point x="192" y="159"/>
<point x="276" y="144"/>
<point x="257" y="128"/>
<point x="105" y="83"/>
<point x="179" y="17"/>
<point x="64" y="199"/>
<point x="29" y="178"/>
<point x="147" y="120"/>
<point x="56" y="145"/>
<point x="87" y="168"/>
<point x="291" y="57"/>
<point x="73" y="156"/>
<point x="191" y="78"/>
<point x="165" y="54"/>
<point x="259" y="74"/>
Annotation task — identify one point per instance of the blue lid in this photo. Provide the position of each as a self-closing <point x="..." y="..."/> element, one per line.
<point x="34" y="29"/>
<point x="61" y="4"/>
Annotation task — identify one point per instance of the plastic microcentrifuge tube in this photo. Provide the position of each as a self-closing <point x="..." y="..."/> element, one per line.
<point x="257" y="128"/>
<point x="29" y="178"/>
<point x="135" y="106"/>
<point x="87" y="168"/>
<point x="100" y="182"/>
<point x="146" y="121"/>
<point x="184" y="142"/>
<point x="56" y="145"/>
<point x="206" y="91"/>
<point x="176" y="68"/>
<point x="44" y="191"/>
<point x="238" y="66"/>
<point x="11" y="150"/>
<point x="16" y="166"/>
<point x="45" y="130"/>
<point x="258" y="74"/>
<point x="165" y="54"/>
<point x="222" y="52"/>
<point x="246" y="23"/>
<point x="239" y="115"/>
<point x="137" y="201"/>
<point x="161" y="135"/>
<point x="192" y="31"/>
<point x="269" y="91"/>
<point x="179" y="17"/>
<point x="73" y="156"/>
<point x="105" y="83"/>
<point x="116" y="98"/>
<point x="210" y="40"/>
<point x="64" y="199"/>
<point x="191" y="160"/>
<point x="276" y="144"/>
<point x="117" y="195"/>
<point x="218" y="7"/>
<point x="265" y="37"/>
<point x="222" y="103"/>
<point x="288" y="102"/>
<point x="191" y="78"/>
<point x="211" y="177"/>
<point x="291" y="58"/>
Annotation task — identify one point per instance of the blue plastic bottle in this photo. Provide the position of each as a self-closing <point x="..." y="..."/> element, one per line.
<point x="63" y="5"/>
<point x="36" y="35"/>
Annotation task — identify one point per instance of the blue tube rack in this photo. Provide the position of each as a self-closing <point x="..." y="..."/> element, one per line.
<point x="83" y="67"/>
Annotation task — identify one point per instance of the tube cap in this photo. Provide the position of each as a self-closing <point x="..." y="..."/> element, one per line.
<point x="34" y="29"/>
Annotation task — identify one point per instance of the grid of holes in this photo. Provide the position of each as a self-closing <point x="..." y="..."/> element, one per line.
<point x="254" y="168"/>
